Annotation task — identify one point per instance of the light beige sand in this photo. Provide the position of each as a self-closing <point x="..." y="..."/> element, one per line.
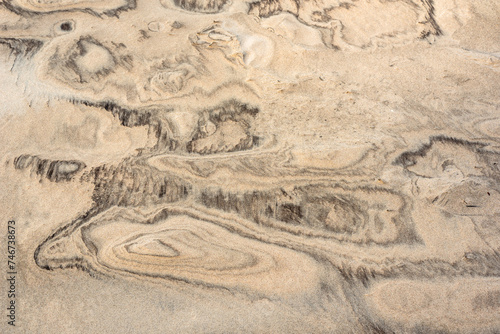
<point x="272" y="166"/>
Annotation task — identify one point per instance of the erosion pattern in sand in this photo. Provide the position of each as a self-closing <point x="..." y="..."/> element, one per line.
<point x="262" y="166"/>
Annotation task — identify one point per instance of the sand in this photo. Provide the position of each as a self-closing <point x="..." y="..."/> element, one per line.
<point x="271" y="166"/>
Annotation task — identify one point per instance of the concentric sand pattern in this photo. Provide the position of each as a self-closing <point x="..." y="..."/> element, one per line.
<point x="183" y="245"/>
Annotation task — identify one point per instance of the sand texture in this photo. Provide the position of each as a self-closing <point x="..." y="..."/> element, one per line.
<point x="261" y="166"/>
